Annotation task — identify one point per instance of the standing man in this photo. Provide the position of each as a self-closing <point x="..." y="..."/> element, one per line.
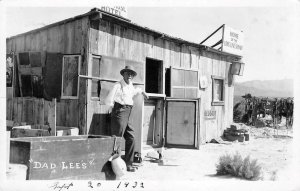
<point x="121" y="99"/>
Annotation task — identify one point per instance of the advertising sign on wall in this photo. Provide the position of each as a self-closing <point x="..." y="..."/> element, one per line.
<point x="233" y="41"/>
<point x="210" y="114"/>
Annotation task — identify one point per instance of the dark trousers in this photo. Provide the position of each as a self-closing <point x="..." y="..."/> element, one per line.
<point x="119" y="127"/>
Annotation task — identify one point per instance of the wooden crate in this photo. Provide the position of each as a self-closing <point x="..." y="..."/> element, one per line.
<point x="63" y="131"/>
<point x="16" y="132"/>
<point x="65" y="157"/>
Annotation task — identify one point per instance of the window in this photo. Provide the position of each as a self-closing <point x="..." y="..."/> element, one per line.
<point x="24" y="58"/>
<point x="70" y="71"/>
<point x="96" y="89"/>
<point x="30" y="59"/>
<point x="183" y="83"/>
<point x="35" y="59"/>
<point x="96" y="66"/>
<point x="29" y="72"/>
<point x="218" y="90"/>
<point x="95" y="78"/>
<point x="154" y="76"/>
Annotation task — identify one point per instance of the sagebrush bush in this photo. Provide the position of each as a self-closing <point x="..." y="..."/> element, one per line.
<point x="237" y="166"/>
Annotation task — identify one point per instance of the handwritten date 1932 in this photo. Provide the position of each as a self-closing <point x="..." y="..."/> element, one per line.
<point x="130" y="185"/>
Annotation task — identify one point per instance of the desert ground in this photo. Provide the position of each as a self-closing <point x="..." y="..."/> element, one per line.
<point x="273" y="150"/>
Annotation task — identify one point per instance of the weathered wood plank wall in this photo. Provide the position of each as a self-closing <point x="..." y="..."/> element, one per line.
<point x="67" y="113"/>
<point x="66" y="38"/>
<point x="117" y="41"/>
<point x="32" y="111"/>
<point x="38" y="112"/>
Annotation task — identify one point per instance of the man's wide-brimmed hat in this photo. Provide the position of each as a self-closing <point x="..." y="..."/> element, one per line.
<point x="128" y="69"/>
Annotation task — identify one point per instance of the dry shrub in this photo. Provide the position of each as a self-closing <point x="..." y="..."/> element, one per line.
<point x="237" y="166"/>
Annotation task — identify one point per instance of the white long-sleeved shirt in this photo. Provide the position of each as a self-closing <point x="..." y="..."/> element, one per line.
<point x="122" y="93"/>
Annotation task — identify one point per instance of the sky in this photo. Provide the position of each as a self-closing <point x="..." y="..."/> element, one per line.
<point x="270" y="32"/>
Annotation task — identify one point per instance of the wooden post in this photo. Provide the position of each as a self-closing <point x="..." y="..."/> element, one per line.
<point x="52" y="116"/>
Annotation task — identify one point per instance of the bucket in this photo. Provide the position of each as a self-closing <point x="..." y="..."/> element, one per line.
<point x="16" y="172"/>
<point x="118" y="165"/>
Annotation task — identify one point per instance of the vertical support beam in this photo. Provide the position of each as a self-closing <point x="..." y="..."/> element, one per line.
<point x="198" y="123"/>
<point x="51" y="107"/>
<point x="19" y="75"/>
<point x="82" y="97"/>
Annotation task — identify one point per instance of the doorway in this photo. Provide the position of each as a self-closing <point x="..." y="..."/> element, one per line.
<point x="154" y="76"/>
<point x="153" y="107"/>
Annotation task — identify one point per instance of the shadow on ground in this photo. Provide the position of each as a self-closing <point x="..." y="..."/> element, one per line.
<point x="225" y="177"/>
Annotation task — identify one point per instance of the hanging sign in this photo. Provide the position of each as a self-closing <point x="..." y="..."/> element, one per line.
<point x="118" y="10"/>
<point x="210" y="114"/>
<point x="233" y="41"/>
<point x="203" y="82"/>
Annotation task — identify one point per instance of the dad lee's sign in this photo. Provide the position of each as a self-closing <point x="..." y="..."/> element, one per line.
<point x="233" y="41"/>
<point x="118" y="10"/>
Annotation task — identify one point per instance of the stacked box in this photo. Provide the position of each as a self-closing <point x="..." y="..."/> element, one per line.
<point x="236" y="133"/>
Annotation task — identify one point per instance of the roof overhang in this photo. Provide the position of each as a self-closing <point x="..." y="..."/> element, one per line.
<point x="97" y="14"/>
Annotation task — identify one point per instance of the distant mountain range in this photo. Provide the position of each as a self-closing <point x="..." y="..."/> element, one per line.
<point x="266" y="88"/>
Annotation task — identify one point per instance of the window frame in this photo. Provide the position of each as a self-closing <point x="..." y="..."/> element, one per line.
<point x="184" y="87"/>
<point x="161" y="82"/>
<point x="78" y="73"/>
<point x="94" y="78"/>
<point x="218" y="102"/>
<point x="30" y="59"/>
<point x="97" y="81"/>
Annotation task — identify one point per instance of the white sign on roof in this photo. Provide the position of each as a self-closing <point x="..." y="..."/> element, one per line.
<point x="118" y="10"/>
<point x="233" y="41"/>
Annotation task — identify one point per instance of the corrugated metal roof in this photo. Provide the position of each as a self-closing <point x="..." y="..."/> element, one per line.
<point x="131" y="25"/>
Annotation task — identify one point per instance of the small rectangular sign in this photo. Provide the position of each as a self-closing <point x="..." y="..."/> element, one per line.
<point x="210" y="114"/>
<point x="233" y="41"/>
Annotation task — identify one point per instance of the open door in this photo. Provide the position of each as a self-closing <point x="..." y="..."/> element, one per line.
<point x="153" y="107"/>
<point x="182" y="108"/>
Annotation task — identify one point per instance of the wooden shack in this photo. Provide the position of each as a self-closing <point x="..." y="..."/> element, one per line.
<point x="78" y="60"/>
